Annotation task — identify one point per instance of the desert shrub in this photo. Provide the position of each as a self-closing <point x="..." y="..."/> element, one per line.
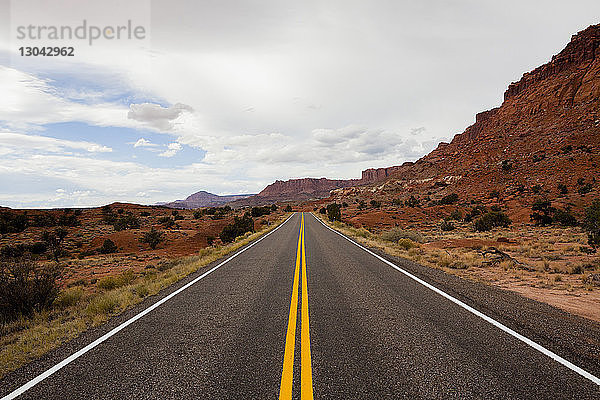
<point x="323" y="210"/>
<point x="152" y="238"/>
<point x="456" y="215"/>
<point x="449" y="199"/>
<point x="144" y="214"/>
<point x="494" y="194"/>
<point x="68" y="297"/>
<point x="126" y="221"/>
<point x="406" y="244"/>
<point x="238" y="227"/>
<point x="567" y="149"/>
<point x="25" y="288"/>
<point x="68" y="219"/>
<point x="54" y="241"/>
<point x="108" y="247"/>
<point x="362" y="205"/>
<point x="507" y="165"/>
<point x="43" y="220"/>
<point x="334" y="212"/>
<point x="585" y="189"/>
<point x="344" y="204"/>
<point x="274" y="207"/>
<point x="397" y="202"/>
<point x="542" y="212"/>
<point x="562" y="188"/>
<point x="260" y="211"/>
<point x="210" y="240"/>
<point x="412" y="202"/>
<point x="198" y="214"/>
<point x="490" y="220"/>
<point x="114" y="282"/>
<point x="395" y="234"/>
<point x="536" y="189"/>
<point x="12" y="223"/>
<point x="288" y="208"/>
<point x="375" y="203"/>
<point x="564" y="217"/>
<point x="538" y="157"/>
<point x="447" y="226"/>
<point x="12" y="251"/>
<point x="591" y="223"/>
<point x="475" y="212"/>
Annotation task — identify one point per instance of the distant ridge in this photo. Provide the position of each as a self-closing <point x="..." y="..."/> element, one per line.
<point x="204" y="199"/>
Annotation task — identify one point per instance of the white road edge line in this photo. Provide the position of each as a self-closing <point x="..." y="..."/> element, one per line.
<point x="130" y="321"/>
<point x="492" y="321"/>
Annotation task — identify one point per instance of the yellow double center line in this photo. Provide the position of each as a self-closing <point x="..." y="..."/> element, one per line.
<point x="287" y="376"/>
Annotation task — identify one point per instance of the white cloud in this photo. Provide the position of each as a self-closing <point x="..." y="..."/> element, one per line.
<point x="158" y="117"/>
<point x="172" y="149"/>
<point x="141" y="142"/>
<point x="28" y="143"/>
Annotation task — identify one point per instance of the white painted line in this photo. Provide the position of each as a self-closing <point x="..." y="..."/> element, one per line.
<point x="130" y="321"/>
<point x="492" y="321"/>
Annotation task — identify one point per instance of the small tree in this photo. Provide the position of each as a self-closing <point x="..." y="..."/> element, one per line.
<point x="542" y="212"/>
<point x="591" y="223"/>
<point x="239" y="227"/>
<point x="153" y="238"/>
<point x="449" y="199"/>
<point x="334" y="212"/>
<point x="54" y="241"/>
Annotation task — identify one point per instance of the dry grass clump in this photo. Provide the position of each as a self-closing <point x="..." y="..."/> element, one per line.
<point x="395" y="234"/>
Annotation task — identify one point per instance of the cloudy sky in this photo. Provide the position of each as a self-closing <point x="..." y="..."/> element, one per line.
<point x="227" y="96"/>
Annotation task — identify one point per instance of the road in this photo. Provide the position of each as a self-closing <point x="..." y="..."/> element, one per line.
<point x="305" y="313"/>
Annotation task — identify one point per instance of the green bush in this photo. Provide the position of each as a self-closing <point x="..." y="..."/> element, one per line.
<point x="238" y="227"/>
<point x="490" y="220"/>
<point x="412" y="202"/>
<point x="126" y="221"/>
<point x="375" y="203"/>
<point x="585" y="189"/>
<point x="25" y="288"/>
<point x="334" y="212"/>
<point x="108" y="247"/>
<point x="447" y="226"/>
<point x="564" y="217"/>
<point x="288" y="208"/>
<point x="152" y="238"/>
<point x="54" y="241"/>
<point x="542" y="212"/>
<point x="562" y="188"/>
<point x="507" y="165"/>
<point x="591" y="223"/>
<point x="260" y="211"/>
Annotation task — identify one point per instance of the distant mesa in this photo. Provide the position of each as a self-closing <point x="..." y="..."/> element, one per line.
<point x="204" y="199"/>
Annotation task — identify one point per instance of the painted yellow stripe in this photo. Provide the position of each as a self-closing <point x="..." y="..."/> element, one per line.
<point x="306" y="386"/>
<point x="287" y="376"/>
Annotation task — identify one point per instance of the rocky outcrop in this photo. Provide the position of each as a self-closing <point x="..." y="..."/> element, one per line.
<point x="545" y="133"/>
<point x="583" y="49"/>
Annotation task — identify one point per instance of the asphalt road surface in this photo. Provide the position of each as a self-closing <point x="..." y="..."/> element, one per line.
<point x="305" y="313"/>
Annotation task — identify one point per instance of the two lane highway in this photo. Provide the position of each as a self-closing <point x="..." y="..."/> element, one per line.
<point x="306" y="313"/>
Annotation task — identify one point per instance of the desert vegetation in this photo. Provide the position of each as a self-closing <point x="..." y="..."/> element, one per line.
<point x="46" y="298"/>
